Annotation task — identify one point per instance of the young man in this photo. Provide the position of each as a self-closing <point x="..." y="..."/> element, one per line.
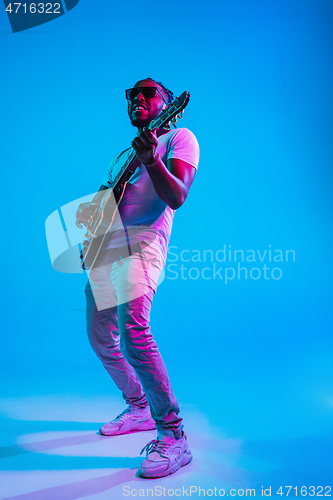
<point x="123" y="282"/>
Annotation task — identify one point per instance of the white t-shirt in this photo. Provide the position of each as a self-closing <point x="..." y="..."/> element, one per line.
<point x="142" y="214"/>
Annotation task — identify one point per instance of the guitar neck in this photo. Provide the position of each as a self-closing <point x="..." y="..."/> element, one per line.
<point x="122" y="172"/>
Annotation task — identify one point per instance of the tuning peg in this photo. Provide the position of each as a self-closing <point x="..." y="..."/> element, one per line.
<point x="174" y="120"/>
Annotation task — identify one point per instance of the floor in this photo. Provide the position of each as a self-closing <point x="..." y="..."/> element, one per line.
<point x="51" y="448"/>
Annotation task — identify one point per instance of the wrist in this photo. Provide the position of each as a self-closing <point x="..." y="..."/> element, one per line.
<point x="155" y="160"/>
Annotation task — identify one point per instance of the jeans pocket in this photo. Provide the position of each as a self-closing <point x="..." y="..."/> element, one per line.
<point x="151" y="254"/>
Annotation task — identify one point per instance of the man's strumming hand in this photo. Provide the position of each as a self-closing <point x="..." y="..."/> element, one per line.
<point x="145" y="146"/>
<point x="84" y="213"/>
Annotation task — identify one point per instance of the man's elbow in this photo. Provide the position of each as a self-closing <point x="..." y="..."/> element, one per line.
<point x="178" y="201"/>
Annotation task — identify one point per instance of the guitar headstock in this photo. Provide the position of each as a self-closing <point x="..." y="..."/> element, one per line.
<point x="174" y="110"/>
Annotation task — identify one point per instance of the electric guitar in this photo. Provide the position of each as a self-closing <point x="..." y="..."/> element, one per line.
<point x="102" y="219"/>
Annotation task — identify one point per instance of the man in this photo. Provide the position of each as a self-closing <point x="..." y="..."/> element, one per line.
<point x="124" y="280"/>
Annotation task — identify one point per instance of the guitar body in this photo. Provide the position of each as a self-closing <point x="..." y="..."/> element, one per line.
<point x="102" y="219"/>
<point x="100" y="226"/>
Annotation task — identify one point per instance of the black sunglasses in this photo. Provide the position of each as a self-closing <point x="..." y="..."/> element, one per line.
<point x="147" y="92"/>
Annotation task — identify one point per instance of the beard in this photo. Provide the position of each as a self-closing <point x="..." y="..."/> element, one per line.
<point x="138" y="122"/>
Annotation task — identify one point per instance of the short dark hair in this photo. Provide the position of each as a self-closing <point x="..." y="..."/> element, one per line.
<point x="170" y="96"/>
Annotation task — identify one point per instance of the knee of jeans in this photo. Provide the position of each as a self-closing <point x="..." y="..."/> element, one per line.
<point x="104" y="347"/>
<point x="126" y="349"/>
<point x="130" y="351"/>
<point x="138" y="349"/>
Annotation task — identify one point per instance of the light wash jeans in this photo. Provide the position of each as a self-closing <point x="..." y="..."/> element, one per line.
<point x="119" y="294"/>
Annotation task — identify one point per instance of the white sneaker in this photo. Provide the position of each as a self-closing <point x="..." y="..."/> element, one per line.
<point x="131" y="419"/>
<point x="165" y="456"/>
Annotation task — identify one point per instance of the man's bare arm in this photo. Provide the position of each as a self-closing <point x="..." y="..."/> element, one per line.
<point x="172" y="183"/>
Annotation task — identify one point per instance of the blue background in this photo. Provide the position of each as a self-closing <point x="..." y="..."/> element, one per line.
<point x="255" y="355"/>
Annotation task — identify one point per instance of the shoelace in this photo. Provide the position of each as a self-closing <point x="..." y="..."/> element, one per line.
<point x="121" y="415"/>
<point x="157" y="446"/>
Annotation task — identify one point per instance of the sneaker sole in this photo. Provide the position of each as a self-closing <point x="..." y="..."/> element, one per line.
<point x="144" y="426"/>
<point x="184" y="460"/>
